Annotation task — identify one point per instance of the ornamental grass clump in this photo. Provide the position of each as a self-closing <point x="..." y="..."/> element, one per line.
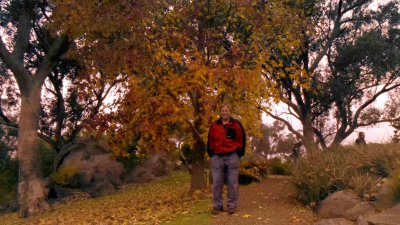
<point x="320" y="173"/>
<point x="357" y="168"/>
<point x="377" y="159"/>
<point x="395" y="184"/>
<point x="278" y="167"/>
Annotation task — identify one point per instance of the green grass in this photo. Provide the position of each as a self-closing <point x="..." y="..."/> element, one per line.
<point x="158" y="202"/>
<point x="198" y="214"/>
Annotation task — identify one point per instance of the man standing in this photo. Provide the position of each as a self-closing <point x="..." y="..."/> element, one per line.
<point x="226" y="144"/>
<point x="361" y="139"/>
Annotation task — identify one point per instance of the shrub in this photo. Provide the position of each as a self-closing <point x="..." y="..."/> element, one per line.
<point x="130" y="160"/>
<point x="358" y="168"/>
<point x="47" y="156"/>
<point x="8" y="179"/>
<point x="8" y="183"/>
<point x="376" y="159"/>
<point x="395" y="184"/>
<point x="320" y="173"/>
<point x="362" y="185"/>
<point x="66" y="176"/>
<point x="277" y="167"/>
<point x="252" y="171"/>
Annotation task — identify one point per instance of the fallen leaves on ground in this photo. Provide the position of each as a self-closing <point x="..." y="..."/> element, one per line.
<point x="152" y="203"/>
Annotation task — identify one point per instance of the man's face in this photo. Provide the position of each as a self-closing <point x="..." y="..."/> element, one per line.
<point x="225" y="113"/>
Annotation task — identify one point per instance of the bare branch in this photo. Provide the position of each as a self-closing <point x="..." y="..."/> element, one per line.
<point x="9" y="124"/>
<point x="288" y="125"/>
<point x="47" y="64"/>
<point x="23" y="31"/>
<point x="385" y="89"/>
<point x="21" y="75"/>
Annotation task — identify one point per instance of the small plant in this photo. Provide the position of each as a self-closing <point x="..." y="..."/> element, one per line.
<point x="321" y="173"/>
<point x="66" y="176"/>
<point x="377" y="159"/>
<point x="8" y="183"/>
<point x="8" y="179"/>
<point x="362" y="185"/>
<point x="395" y="184"/>
<point x="277" y="167"/>
<point x="252" y="171"/>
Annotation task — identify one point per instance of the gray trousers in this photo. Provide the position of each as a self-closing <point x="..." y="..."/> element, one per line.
<point x="225" y="166"/>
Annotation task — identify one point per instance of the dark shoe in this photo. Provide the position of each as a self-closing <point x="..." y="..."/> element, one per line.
<point x="216" y="211"/>
<point x="231" y="211"/>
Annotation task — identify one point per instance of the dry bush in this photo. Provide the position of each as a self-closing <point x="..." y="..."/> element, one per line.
<point x="362" y="185"/>
<point x="395" y="184"/>
<point x="355" y="167"/>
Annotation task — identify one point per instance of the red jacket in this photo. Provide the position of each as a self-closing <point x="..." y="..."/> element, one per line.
<point x="225" y="139"/>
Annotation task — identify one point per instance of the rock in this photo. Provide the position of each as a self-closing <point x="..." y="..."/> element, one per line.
<point x="64" y="194"/>
<point x="156" y="166"/>
<point x="362" y="220"/>
<point x="334" y="221"/>
<point x="388" y="217"/>
<point x="99" y="172"/>
<point x="141" y="175"/>
<point x="336" y="204"/>
<point x="360" y="209"/>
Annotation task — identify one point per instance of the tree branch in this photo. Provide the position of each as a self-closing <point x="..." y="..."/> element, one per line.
<point x="23" y="31"/>
<point x="21" y="75"/>
<point x="9" y="124"/>
<point x="372" y="99"/>
<point x="55" y="51"/>
<point x="288" y="125"/>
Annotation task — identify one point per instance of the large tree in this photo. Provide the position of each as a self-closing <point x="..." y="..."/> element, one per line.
<point x="13" y="49"/>
<point x="184" y="58"/>
<point x="202" y="57"/>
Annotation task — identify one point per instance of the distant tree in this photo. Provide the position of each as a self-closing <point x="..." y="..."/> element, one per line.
<point x="273" y="139"/>
<point x="348" y="57"/>
<point x="392" y="111"/>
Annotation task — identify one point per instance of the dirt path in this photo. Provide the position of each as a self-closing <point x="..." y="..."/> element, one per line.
<point x="267" y="202"/>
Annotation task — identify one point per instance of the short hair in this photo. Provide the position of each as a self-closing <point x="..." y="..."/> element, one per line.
<point x="225" y="105"/>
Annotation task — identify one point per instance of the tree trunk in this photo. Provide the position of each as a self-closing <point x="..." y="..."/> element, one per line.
<point x="198" y="178"/>
<point x="308" y="135"/>
<point x="31" y="186"/>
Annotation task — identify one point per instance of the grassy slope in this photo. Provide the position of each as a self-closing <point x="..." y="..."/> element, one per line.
<point x="163" y="201"/>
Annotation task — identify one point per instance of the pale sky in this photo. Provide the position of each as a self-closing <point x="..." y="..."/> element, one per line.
<point x="381" y="133"/>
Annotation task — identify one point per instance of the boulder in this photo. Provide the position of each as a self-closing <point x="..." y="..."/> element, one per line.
<point x="362" y="220"/>
<point x="99" y="172"/>
<point x="334" y="221"/>
<point x="360" y="209"/>
<point x="141" y="175"/>
<point x="156" y="166"/>
<point x="336" y="204"/>
<point x="388" y="217"/>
